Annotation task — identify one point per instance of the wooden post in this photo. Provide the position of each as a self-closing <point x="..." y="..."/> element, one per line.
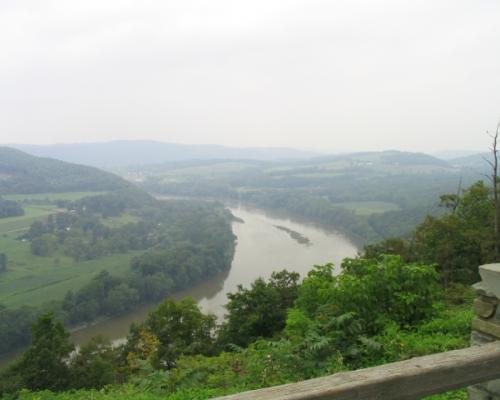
<point x="486" y="324"/>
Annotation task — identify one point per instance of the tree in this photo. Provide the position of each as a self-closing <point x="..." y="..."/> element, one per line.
<point x="9" y="208"/>
<point x="460" y="241"/>
<point x="494" y="182"/>
<point x="120" y="299"/>
<point x="180" y="328"/>
<point x="374" y="291"/>
<point x="44" y="365"/>
<point x="259" y="312"/>
<point x="3" y="262"/>
<point x="398" y="246"/>
<point x="451" y="201"/>
<point x="94" y="365"/>
<point x="44" y="245"/>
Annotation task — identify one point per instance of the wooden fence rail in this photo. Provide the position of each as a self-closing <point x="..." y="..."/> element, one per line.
<point x="404" y="380"/>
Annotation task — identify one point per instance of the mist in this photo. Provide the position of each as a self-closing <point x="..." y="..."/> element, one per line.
<point x="317" y="75"/>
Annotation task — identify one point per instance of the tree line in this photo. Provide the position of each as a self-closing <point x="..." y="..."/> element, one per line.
<point x="400" y="298"/>
<point x="178" y="244"/>
<point x="9" y="208"/>
<point x="23" y="173"/>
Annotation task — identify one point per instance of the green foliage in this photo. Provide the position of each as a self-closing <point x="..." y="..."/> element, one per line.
<point x="3" y="262"/>
<point x="446" y="332"/>
<point x="9" y="208"/>
<point x="457" y="241"/>
<point x="317" y="209"/>
<point x="116" y="202"/>
<point x="15" y="327"/>
<point x="460" y="241"/>
<point x="398" y="246"/>
<point x="49" y="363"/>
<point x="44" y="245"/>
<point x="376" y="292"/>
<point x="262" y="364"/>
<point x="23" y="173"/>
<point x="373" y="312"/>
<point x="339" y="315"/>
<point x="379" y="308"/>
<point x="167" y="246"/>
<point x="180" y="328"/>
<point x="44" y="364"/>
<point x="454" y="395"/>
<point x="129" y="392"/>
<point x="94" y="366"/>
<point x="259" y="312"/>
<point x="101" y="296"/>
<point x="370" y="196"/>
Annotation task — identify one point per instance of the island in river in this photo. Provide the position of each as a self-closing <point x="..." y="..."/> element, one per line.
<point x="294" y="235"/>
<point x="260" y="250"/>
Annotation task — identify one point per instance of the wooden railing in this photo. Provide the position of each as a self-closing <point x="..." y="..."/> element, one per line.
<point x="404" y="380"/>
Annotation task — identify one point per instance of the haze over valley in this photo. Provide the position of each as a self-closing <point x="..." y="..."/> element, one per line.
<point x="204" y="199"/>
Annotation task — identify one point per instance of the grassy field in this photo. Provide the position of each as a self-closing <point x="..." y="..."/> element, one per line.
<point x="31" y="214"/>
<point x="35" y="280"/>
<point x="50" y="196"/>
<point x="369" y="207"/>
<point x="124" y="219"/>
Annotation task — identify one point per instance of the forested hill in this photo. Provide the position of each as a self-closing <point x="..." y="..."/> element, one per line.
<point x="378" y="159"/>
<point x="24" y="173"/>
<point x="368" y="195"/>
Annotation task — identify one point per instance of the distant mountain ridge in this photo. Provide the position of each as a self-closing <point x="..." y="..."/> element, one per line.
<point x="454" y="154"/>
<point x="23" y="173"/>
<point x="123" y="153"/>
<point x="392" y="158"/>
<point x="475" y="161"/>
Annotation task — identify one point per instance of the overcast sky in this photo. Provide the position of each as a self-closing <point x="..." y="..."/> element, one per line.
<point x="335" y="75"/>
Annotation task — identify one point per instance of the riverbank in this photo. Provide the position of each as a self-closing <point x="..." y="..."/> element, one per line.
<point x="260" y="250"/>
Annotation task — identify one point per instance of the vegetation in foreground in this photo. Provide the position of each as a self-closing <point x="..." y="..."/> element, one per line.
<point x="380" y="308"/>
<point x="102" y="255"/>
<point x="362" y="317"/>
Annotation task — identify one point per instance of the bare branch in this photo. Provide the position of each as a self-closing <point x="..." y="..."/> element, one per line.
<point x="488" y="161"/>
<point x="488" y="177"/>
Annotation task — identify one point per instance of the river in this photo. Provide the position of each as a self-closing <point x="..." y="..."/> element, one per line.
<point x="265" y="244"/>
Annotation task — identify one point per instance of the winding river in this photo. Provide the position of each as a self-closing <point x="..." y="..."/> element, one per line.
<point x="265" y="244"/>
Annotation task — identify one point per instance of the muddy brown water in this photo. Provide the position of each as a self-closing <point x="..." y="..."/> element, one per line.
<point x="261" y="248"/>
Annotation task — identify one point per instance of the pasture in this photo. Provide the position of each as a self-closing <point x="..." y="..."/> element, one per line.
<point x="35" y="280"/>
<point x="369" y="207"/>
<point x="31" y="214"/>
<point x="50" y="197"/>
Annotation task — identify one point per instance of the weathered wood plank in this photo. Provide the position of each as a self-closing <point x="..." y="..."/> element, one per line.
<point x="488" y="327"/>
<point x="484" y="309"/>
<point x="404" y="380"/>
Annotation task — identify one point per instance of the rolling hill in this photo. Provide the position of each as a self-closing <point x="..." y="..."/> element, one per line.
<point x="137" y="152"/>
<point x="24" y="173"/>
<point x="477" y="162"/>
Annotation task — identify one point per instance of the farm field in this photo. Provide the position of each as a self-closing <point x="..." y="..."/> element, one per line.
<point x="369" y="207"/>
<point x="31" y="214"/>
<point x="50" y="196"/>
<point x="35" y="280"/>
<point x="124" y="219"/>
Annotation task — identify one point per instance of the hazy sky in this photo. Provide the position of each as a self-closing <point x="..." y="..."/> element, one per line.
<point x="335" y="75"/>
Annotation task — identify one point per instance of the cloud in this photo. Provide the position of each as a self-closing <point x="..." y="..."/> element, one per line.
<point x="343" y="75"/>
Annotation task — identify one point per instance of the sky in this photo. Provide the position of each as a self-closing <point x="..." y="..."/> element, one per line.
<point x="343" y="75"/>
